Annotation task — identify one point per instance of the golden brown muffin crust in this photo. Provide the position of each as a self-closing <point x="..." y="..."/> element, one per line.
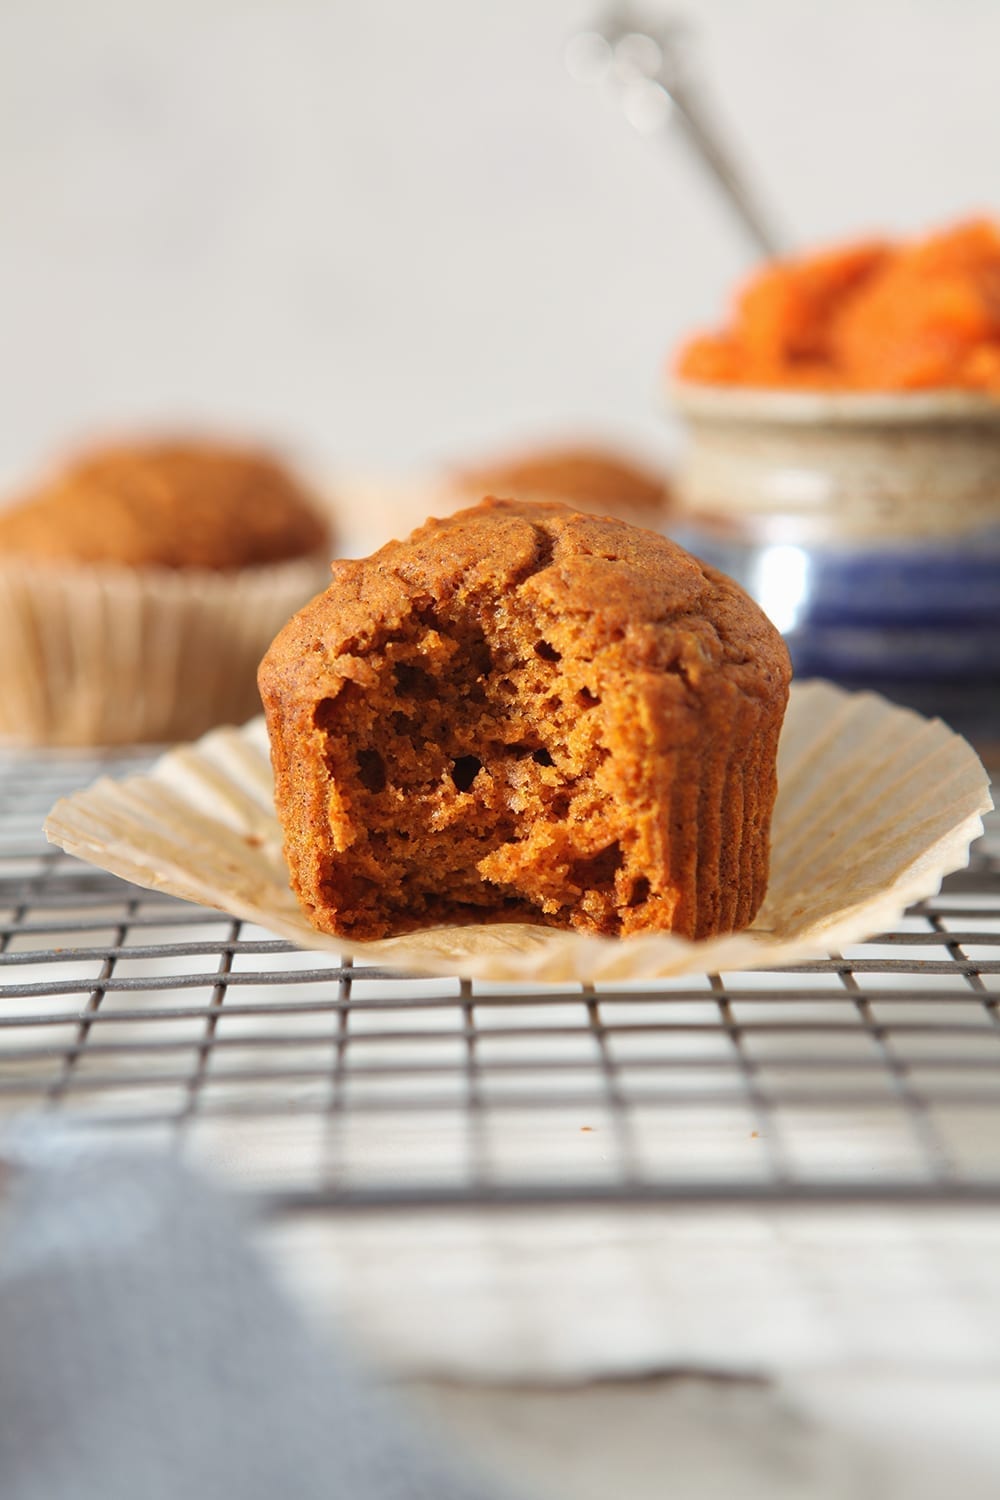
<point x="167" y="505"/>
<point x="597" y="480"/>
<point x="527" y="714"/>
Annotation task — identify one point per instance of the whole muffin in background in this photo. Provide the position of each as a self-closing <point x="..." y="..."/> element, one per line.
<point x="140" y="585"/>
<point x="596" y="479"/>
<point x="525" y="714"/>
<point x="168" y="505"/>
<point x="593" y="477"/>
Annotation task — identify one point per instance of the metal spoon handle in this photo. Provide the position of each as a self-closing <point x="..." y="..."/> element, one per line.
<point x="704" y="136"/>
<point x="650" y="63"/>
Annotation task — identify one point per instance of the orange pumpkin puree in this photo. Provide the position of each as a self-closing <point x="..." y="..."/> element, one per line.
<point x="871" y="316"/>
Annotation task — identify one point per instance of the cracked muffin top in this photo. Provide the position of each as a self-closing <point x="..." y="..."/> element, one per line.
<point x="167" y="504"/>
<point x="600" y="584"/>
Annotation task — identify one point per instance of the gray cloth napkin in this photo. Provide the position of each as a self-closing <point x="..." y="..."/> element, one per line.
<point x="146" y="1354"/>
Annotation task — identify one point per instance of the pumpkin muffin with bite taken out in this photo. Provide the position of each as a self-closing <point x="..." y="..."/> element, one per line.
<point x="526" y="714"/>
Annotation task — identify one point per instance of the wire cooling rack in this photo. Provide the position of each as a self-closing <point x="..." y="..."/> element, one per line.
<point x="873" y="1075"/>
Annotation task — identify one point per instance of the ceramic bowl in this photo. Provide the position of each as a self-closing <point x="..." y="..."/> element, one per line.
<point x="813" y="467"/>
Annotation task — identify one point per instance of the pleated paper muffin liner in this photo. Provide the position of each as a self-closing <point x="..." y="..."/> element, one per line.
<point x="875" y="806"/>
<point x="103" y="655"/>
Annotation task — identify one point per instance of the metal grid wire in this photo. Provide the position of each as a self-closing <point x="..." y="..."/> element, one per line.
<point x="873" y="1075"/>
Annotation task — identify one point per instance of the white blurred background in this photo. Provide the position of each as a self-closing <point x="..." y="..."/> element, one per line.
<point x="385" y="232"/>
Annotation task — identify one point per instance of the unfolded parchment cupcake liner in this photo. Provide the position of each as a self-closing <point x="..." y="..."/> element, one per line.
<point x="875" y="806"/>
<point x="103" y="655"/>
